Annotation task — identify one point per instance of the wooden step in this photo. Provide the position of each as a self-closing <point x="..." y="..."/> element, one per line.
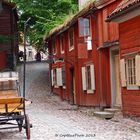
<point x="113" y="110"/>
<point x="104" y="114"/>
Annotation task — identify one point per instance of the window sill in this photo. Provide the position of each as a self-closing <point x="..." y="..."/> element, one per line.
<point x="55" y="86"/>
<point x="70" y="49"/>
<point x="133" y="88"/>
<point x="62" y="52"/>
<point x="90" y="91"/>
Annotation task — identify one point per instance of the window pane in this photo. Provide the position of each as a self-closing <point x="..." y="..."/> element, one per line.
<point x="71" y="39"/>
<point x="63" y="76"/>
<point x="84" y="27"/>
<point x="88" y="75"/>
<point x="131" y="74"/>
<point x="62" y="43"/>
<point x="53" y="46"/>
<point x="54" y="77"/>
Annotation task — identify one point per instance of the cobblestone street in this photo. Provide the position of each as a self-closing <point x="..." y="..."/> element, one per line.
<point x="54" y="119"/>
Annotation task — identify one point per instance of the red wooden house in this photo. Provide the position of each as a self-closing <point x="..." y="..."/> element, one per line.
<point x="87" y="71"/>
<point x="127" y="14"/>
<point x="8" y="30"/>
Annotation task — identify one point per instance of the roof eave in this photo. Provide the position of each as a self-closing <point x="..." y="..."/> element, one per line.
<point x="120" y="13"/>
<point x="83" y="12"/>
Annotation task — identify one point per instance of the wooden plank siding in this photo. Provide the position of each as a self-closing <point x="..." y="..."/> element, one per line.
<point x="130" y="43"/>
<point x="8" y="28"/>
<point x="74" y="60"/>
<point x="129" y="36"/>
<point x="2" y="61"/>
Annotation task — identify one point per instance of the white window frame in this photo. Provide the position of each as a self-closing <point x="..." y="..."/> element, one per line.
<point x="85" y="79"/>
<point x="133" y="70"/>
<point x="62" y="44"/>
<point x="64" y="76"/>
<point x="54" y="49"/>
<point x="59" y="77"/>
<point x="71" y="47"/>
<point x="54" y="80"/>
<point x="83" y="26"/>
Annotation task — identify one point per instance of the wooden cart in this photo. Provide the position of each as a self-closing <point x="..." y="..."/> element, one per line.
<point x="12" y="105"/>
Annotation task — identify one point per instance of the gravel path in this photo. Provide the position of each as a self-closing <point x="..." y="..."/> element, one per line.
<point x="53" y="119"/>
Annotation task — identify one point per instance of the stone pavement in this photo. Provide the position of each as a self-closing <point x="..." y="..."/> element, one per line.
<point x="54" y="119"/>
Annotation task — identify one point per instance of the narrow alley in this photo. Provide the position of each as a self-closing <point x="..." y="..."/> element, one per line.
<point x="53" y="119"/>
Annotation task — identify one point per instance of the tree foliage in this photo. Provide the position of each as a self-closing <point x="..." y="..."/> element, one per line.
<point x="45" y="15"/>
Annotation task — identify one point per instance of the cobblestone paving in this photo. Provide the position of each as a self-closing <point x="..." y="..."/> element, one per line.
<point x="53" y="119"/>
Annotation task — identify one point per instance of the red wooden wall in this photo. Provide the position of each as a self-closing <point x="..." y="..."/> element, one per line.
<point x="8" y="28"/>
<point x="129" y="43"/>
<point x="101" y="32"/>
<point x="130" y="35"/>
<point x="2" y="60"/>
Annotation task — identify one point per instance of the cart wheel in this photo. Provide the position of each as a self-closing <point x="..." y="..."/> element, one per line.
<point x="20" y="128"/>
<point x="20" y="123"/>
<point x="27" y="126"/>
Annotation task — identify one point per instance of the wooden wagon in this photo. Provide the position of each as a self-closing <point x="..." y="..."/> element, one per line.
<point x="12" y="104"/>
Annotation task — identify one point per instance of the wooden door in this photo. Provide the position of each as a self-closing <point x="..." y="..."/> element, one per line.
<point x="118" y="100"/>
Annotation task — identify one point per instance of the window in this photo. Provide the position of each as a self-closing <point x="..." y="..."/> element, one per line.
<point x="62" y="43"/>
<point x="71" y="39"/>
<point x="54" y="77"/>
<point x="88" y="78"/>
<point x="130" y="69"/>
<point x="63" y="76"/>
<point x="84" y="27"/>
<point x="54" y="46"/>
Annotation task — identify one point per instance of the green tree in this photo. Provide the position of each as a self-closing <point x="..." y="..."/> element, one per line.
<point x="45" y="15"/>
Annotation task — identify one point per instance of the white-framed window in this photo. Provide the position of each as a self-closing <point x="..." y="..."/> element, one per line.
<point x="63" y="76"/>
<point x="54" y="77"/>
<point x="129" y="68"/>
<point x="71" y="39"/>
<point x="84" y="27"/>
<point x="88" y="78"/>
<point x="131" y="71"/>
<point x="54" y="46"/>
<point x="62" y="43"/>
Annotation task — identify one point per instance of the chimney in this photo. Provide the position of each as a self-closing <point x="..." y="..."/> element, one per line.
<point x="82" y="3"/>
